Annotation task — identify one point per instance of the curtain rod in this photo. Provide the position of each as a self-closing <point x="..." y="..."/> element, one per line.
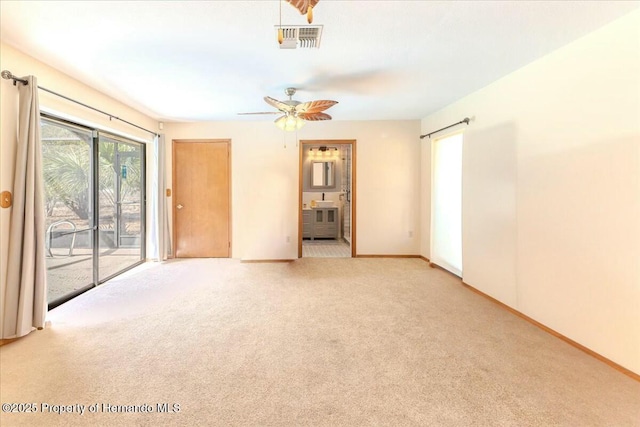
<point x="465" y="120"/>
<point x="7" y="75"/>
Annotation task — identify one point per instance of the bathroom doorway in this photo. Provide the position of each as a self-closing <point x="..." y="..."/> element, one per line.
<point x="327" y="199"/>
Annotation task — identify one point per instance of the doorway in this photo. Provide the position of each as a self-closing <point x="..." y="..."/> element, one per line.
<point x="327" y="199"/>
<point x="201" y="198"/>
<point x="446" y="206"/>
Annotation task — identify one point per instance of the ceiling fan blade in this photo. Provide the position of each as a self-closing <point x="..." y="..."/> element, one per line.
<point x="315" y="106"/>
<point x="314" y="117"/>
<point x="277" y="104"/>
<point x="303" y="5"/>
<point x="262" y="112"/>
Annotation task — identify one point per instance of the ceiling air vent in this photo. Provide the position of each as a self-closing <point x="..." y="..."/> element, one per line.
<point x="300" y="37"/>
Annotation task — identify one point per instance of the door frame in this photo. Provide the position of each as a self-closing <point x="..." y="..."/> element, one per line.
<point x="173" y="180"/>
<point x="352" y="143"/>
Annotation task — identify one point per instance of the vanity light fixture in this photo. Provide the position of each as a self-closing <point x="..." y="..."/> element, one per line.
<point x="324" y="151"/>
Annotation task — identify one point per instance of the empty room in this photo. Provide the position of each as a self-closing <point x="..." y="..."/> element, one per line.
<point x="320" y="213"/>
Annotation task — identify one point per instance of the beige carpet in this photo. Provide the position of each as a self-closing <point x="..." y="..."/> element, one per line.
<point x="340" y="342"/>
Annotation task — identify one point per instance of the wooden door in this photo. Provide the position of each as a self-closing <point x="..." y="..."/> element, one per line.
<point x="201" y="199"/>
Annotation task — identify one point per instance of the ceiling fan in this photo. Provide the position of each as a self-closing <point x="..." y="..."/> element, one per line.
<point x="295" y="113"/>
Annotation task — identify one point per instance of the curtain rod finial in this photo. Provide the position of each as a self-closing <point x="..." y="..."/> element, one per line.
<point x="8" y="75"/>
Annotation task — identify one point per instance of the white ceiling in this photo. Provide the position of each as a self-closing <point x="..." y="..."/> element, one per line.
<point x="209" y="60"/>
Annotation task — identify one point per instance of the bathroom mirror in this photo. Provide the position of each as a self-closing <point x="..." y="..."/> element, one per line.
<point x="323" y="174"/>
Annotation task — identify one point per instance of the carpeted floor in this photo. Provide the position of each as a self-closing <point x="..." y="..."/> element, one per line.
<point x="340" y="342"/>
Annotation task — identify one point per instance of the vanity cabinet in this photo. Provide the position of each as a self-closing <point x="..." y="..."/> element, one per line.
<point x="320" y="223"/>
<point x="307" y="224"/>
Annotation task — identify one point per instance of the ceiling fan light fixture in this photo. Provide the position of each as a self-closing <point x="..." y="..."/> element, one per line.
<point x="310" y="14"/>
<point x="289" y="123"/>
<point x="295" y="113"/>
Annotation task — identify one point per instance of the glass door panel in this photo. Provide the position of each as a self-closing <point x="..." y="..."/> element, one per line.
<point x="66" y="164"/>
<point x="121" y="207"/>
<point x="94" y="200"/>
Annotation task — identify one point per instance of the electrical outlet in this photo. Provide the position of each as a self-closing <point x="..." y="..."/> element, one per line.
<point x="288" y="239"/>
<point x="410" y="234"/>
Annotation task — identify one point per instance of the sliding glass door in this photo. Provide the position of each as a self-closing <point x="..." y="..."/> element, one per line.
<point x="67" y="153"/>
<point x="94" y="188"/>
<point x="120" y="205"/>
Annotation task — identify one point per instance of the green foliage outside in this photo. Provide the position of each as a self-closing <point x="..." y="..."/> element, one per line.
<point x="67" y="170"/>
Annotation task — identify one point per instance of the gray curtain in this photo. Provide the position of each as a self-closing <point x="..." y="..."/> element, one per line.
<point x="25" y="302"/>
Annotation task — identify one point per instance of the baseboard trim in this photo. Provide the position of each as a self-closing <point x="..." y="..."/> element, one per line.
<point x="259" y="261"/>
<point x="388" y="256"/>
<point x="425" y="259"/>
<point x="556" y="334"/>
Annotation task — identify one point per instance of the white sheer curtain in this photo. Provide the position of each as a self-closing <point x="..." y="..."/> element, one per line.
<point x="25" y="302"/>
<point x="160" y="243"/>
<point x="446" y="203"/>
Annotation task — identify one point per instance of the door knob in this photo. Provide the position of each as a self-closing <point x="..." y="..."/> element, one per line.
<point x="179" y="206"/>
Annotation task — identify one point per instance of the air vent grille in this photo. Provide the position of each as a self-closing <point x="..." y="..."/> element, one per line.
<point x="300" y="37"/>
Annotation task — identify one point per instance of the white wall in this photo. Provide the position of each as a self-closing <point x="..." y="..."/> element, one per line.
<point x="22" y="65"/>
<point x="265" y="183"/>
<point x="551" y="190"/>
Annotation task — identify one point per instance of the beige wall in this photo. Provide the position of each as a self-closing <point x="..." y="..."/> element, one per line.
<point x="22" y="65"/>
<point x="265" y="183"/>
<point x="551" y="190"/>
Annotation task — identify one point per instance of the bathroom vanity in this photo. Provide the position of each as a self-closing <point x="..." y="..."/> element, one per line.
<point x="320" y="223"/>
